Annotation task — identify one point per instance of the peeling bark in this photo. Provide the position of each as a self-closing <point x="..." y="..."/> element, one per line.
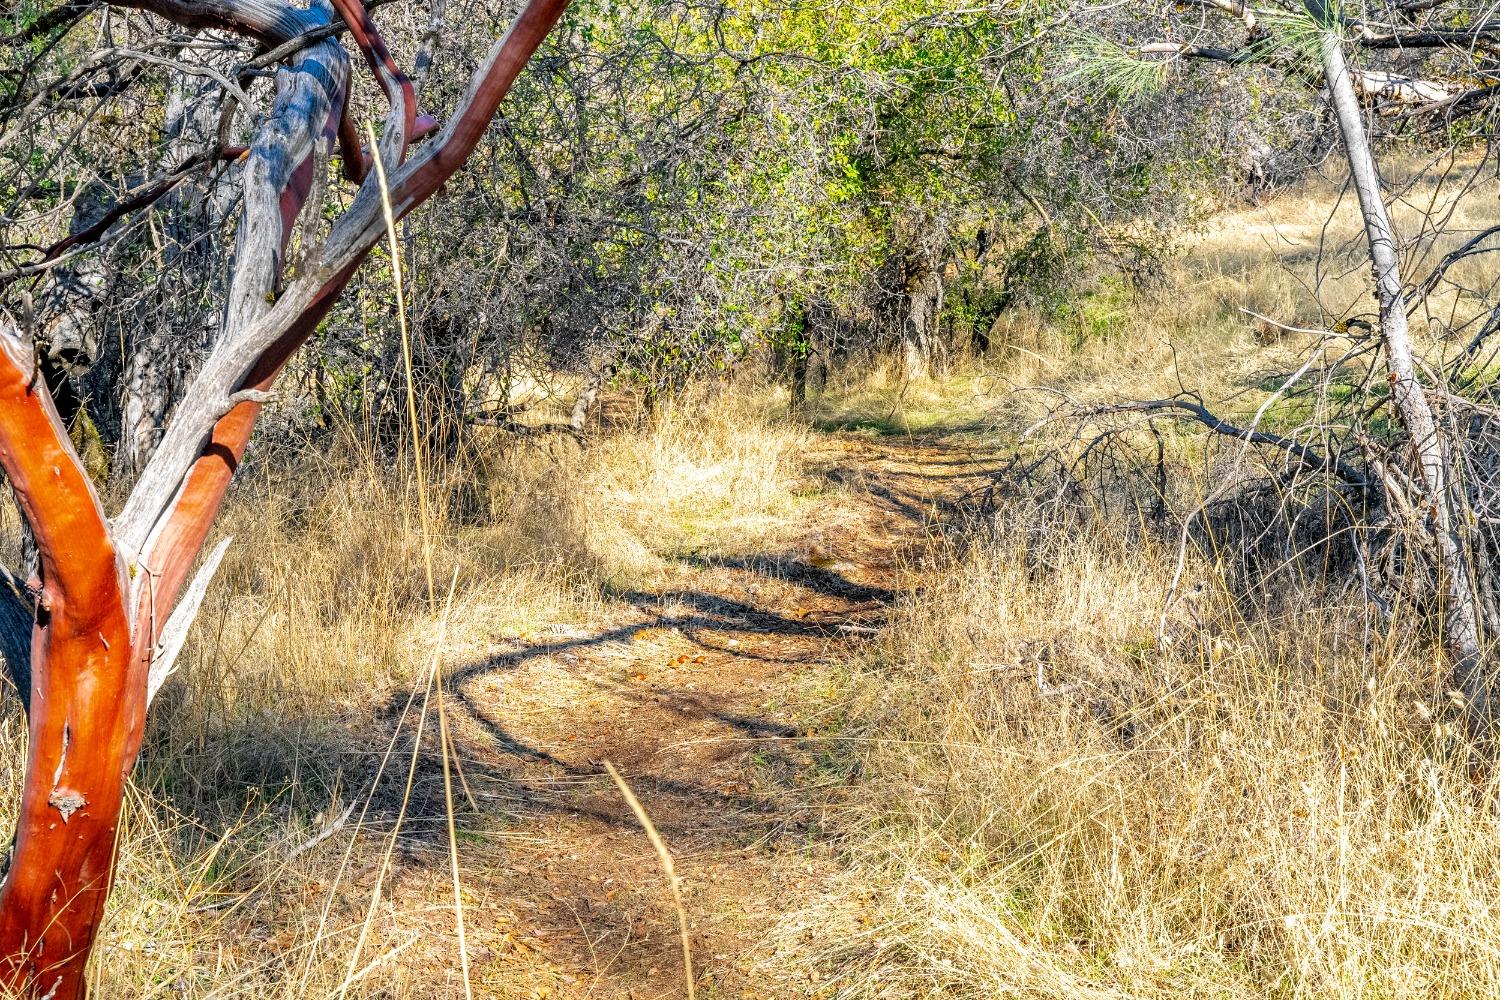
<point x="105" y="590"/>
<point x="87" y="698"/>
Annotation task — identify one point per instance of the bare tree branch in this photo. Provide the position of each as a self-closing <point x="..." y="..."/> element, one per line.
<point x="1307" y="456"/>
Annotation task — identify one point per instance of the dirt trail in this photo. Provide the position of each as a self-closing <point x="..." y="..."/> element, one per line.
<point x="699" y="693"/>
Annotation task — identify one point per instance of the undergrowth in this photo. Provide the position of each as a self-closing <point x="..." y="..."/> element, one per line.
<point x="256" y="820"/>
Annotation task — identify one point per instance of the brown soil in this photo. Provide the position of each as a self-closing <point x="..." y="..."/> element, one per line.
<point x="709" y="695"/>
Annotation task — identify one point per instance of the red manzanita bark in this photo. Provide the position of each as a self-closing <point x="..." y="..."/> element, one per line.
<point x="87" y="700"/>
<point x="105" y="588"/>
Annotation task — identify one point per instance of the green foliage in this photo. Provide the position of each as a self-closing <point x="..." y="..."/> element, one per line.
<point x="672" y="186"/>
<point x="1291" y="31"/>
<point x="1094" y="315"/>
<point x="1103" y="63"/>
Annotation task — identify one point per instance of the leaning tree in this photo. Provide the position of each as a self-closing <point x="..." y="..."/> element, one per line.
<point x="92" y="629"/>
<point x="1428" y="474"/>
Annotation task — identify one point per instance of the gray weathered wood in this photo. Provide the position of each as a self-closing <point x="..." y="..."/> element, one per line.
<point x="355" y="232"/>
<point x="1462" y="624"/>
<point x="308" y="90"/>
<point x="175" y="632"/>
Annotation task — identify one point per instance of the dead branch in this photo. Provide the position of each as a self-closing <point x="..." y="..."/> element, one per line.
<point x="1192" y="405"/>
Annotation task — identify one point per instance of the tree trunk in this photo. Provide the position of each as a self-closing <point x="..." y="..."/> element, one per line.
<point x="922" y="348"/>
<point x="1444" y="501"/>
<point x="177" y="325"/>
<point x="106" y="619"/>
<point x="87" y="706"/>
<point x="791" y="349"/>
<point x="924" y="353"/>
<point x="588" y="399"/>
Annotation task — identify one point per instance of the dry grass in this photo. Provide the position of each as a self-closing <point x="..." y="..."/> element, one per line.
<point x="1057" y="798"/>
<point x="1059" y="804"/>
<point x="1054" y="798"/>
<point x="316" y="631"/>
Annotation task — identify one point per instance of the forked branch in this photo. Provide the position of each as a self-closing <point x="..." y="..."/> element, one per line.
<point x="151" y="522"/>
<point x="1305" y="455"/>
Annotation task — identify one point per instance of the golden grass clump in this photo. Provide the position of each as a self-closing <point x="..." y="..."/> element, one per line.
<point x="315" y="631"/>
<point x="719" y="473"/>
<point x="1059" y="802"/>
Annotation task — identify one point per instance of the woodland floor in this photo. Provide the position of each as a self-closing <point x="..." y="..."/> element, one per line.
<point x="705" y="694"/>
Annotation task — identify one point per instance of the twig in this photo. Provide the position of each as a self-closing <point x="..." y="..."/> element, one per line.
<point x="138" y="197"/>
<point x="1285" y="328"/>
<point x="328" y="831"/>
<point x="673" y="882"/>
<point x="1307" y="455"/>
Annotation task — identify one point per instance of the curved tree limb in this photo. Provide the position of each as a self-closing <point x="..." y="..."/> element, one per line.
<point x="402" y="123"/>
<point x="1308" y="457"/>
<point x="52" y="489"/>
<point x="245" y="361"/>
<point x="310" y="101"/>
<point x="290" y="47"/>
<point x="270" y="22"/>
<point x="86" y="710"/>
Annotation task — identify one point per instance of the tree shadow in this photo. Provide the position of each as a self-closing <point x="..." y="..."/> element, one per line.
<point x="922" y="496"/>
<point x="266" y="758"/>
<point x="721" y="773"/>
<point x="821" y="580"/>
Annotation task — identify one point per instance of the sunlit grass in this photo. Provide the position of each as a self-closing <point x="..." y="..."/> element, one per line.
<point x="1075" y="780"/>
<point x="317" y="629"/>
<point x="1050" y="793"/>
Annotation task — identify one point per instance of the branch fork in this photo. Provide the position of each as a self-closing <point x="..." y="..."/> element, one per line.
<point x="86" y="647"/>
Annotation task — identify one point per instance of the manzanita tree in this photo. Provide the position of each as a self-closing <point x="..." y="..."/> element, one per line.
<point x="94" y="629"/>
